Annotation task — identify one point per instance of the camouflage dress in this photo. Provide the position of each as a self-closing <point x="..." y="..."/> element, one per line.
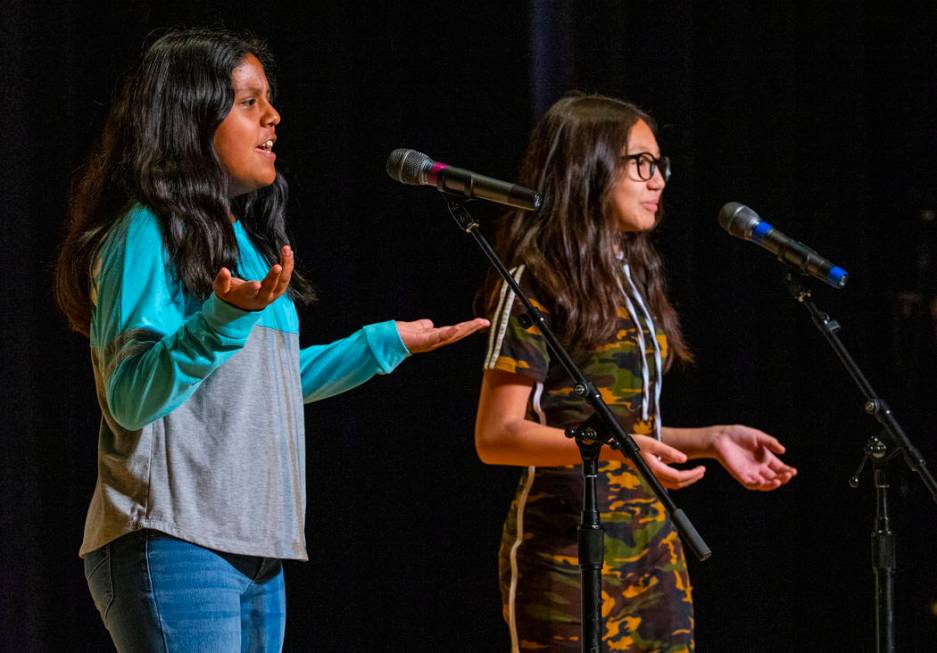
<point x="646" y="597"/>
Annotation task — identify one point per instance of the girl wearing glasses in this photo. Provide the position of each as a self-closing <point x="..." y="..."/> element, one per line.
<point x="587" y="260"/>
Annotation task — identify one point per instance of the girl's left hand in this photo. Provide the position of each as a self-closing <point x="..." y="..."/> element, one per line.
<point x="750" y="456"/>
<point x="421" y="335"/>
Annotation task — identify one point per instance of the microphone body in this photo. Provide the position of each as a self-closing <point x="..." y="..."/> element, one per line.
<point x="417" y="169"/>
<point x="742" y="222"/>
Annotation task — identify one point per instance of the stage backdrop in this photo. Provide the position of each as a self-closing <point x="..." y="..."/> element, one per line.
<point x="818" y="117"/>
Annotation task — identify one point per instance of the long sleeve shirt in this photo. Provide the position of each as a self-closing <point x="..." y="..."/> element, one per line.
<point x="202" y="430"/>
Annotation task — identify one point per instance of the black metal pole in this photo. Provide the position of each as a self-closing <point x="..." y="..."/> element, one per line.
<point x="879" y="452"/>
<point x="591" y="540"/>
<point x="883" y="544"/>
<point x="883" y="564"/>
<point x="874" y="405"/>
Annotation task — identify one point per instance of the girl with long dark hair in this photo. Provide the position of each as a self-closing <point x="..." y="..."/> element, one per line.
<point x="587" y="260"/>
<point x="177" y="266"/>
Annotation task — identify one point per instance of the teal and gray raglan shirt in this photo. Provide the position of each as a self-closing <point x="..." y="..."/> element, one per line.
<point x="202" y="432"/>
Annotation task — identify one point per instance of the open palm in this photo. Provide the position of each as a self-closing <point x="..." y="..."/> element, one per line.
<point x="751" y="457"/>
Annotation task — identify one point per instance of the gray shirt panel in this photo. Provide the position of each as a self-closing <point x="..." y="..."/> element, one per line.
<point x="225" y="470"/>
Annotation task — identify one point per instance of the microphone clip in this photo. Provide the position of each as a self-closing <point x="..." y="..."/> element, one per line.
<point x="459" y="213"/>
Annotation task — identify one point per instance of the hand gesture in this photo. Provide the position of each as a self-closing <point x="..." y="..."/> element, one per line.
<point x="658" y="455"/>
<point x="749" y="455"/>
<point x="256" y="295"/>
<point x="421" y="335"/>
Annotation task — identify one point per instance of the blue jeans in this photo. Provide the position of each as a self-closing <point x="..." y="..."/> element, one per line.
<point x="159" y="593"/>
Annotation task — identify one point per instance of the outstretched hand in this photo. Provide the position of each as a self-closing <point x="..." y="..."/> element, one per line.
<point x="256" y="295"/>
<point x="658" y="455"/>
<point x="750" y="456"/>
<point x="421" y="335"/>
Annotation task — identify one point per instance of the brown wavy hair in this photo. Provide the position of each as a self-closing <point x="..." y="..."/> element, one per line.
<point x="571" y="244"/>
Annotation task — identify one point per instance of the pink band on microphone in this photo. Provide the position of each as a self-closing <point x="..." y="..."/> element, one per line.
<point x="435" y="170"/>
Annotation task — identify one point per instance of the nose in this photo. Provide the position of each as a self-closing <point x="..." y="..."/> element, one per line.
<point x="656" y="182"/>
<point x="271" y="116"/>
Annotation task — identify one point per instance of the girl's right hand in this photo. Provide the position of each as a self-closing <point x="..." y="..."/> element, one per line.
<point x="256" y="295"/>
<point x="657" y="455"/>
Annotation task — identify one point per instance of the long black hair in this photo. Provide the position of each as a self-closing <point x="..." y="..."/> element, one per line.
<point x="157" y="149"/>
<point x="572" y="243"/>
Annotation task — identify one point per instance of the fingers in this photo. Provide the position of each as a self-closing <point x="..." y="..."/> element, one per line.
<point x="287" y="263"/>
<point x="463" y="329"/>
<point x="753" y="481"/>
<point x="750" y="456"/>
<point x="276" y="281"/>
<point x="232" y="289"/>
<point x="767" y="478"/>
<point x="458" y="331"/>
<point x="278" y="277"/>
<point x="785" y="474"/>
<point x="671" y="477"/>
<point x="421" y="335"/>
<point x="776" y="473"/>
<point x="434" y="338"/>
<point x="442" y="336"/>
<point x="771" y="443"/>
<point x="478" y="323"/>
<point x="416" y="326"/>
<point x="664" y="452"/>
<point x="222" y="283"/>
<point x="780" y="468"/>
<point x="269" y="283"/>
<point x="256" y="295"/>
<point x="751" y="437"/>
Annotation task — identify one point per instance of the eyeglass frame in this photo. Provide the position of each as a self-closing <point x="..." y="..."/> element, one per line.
<point x="657" y="163"/>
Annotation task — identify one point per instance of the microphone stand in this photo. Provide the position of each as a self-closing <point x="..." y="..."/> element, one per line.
<point x="600" y="429"/>
<point x="879" y="450"/>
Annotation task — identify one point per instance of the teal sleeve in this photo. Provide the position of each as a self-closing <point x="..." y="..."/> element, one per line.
<point x="151" y="355"/>
<point x="328" y="370"/>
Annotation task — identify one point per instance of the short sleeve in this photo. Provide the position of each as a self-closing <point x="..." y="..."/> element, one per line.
<point x="512" y="346"/>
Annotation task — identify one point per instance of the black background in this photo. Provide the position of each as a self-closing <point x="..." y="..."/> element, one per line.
<point x="817" y="115"/>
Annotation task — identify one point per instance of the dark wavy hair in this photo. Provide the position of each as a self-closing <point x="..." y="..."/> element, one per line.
<point x="571" y="245"/>
<point x="156" y="149"/>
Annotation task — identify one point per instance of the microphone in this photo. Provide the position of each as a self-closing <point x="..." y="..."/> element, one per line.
<point x="417" y="169"/>
<point x="742" y="222"/>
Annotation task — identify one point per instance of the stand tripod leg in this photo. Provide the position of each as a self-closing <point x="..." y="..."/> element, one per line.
<point x="591" y="554"/>
<point x="883" y="566"/>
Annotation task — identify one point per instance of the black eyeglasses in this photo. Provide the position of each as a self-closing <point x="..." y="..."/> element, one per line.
<point x="645" y="165"/>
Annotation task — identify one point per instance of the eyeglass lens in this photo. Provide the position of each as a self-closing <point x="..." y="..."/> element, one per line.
<point x="647" y="165"/>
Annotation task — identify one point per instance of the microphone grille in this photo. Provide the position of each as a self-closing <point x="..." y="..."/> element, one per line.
<point x="738" y="220"/>
<point x="408" y="166"/>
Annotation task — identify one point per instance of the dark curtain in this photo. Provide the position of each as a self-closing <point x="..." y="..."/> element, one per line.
<point x="817" y="115"/>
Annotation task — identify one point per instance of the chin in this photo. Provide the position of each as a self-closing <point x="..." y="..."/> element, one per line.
<point x="266" y="181"/>
<point x="637" y="220"/>
<point x="637" y="226"/>
<point x="649" y="222"/>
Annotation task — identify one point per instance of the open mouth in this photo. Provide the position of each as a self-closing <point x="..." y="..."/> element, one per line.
<point x="266" y="146"/>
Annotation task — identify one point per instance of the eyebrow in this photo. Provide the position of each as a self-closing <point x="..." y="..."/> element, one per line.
<point x="252" y="89"/>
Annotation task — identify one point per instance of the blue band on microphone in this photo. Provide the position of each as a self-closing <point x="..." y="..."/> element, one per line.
<point x="761" y="230"/>
<point x="837" y="276"/>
